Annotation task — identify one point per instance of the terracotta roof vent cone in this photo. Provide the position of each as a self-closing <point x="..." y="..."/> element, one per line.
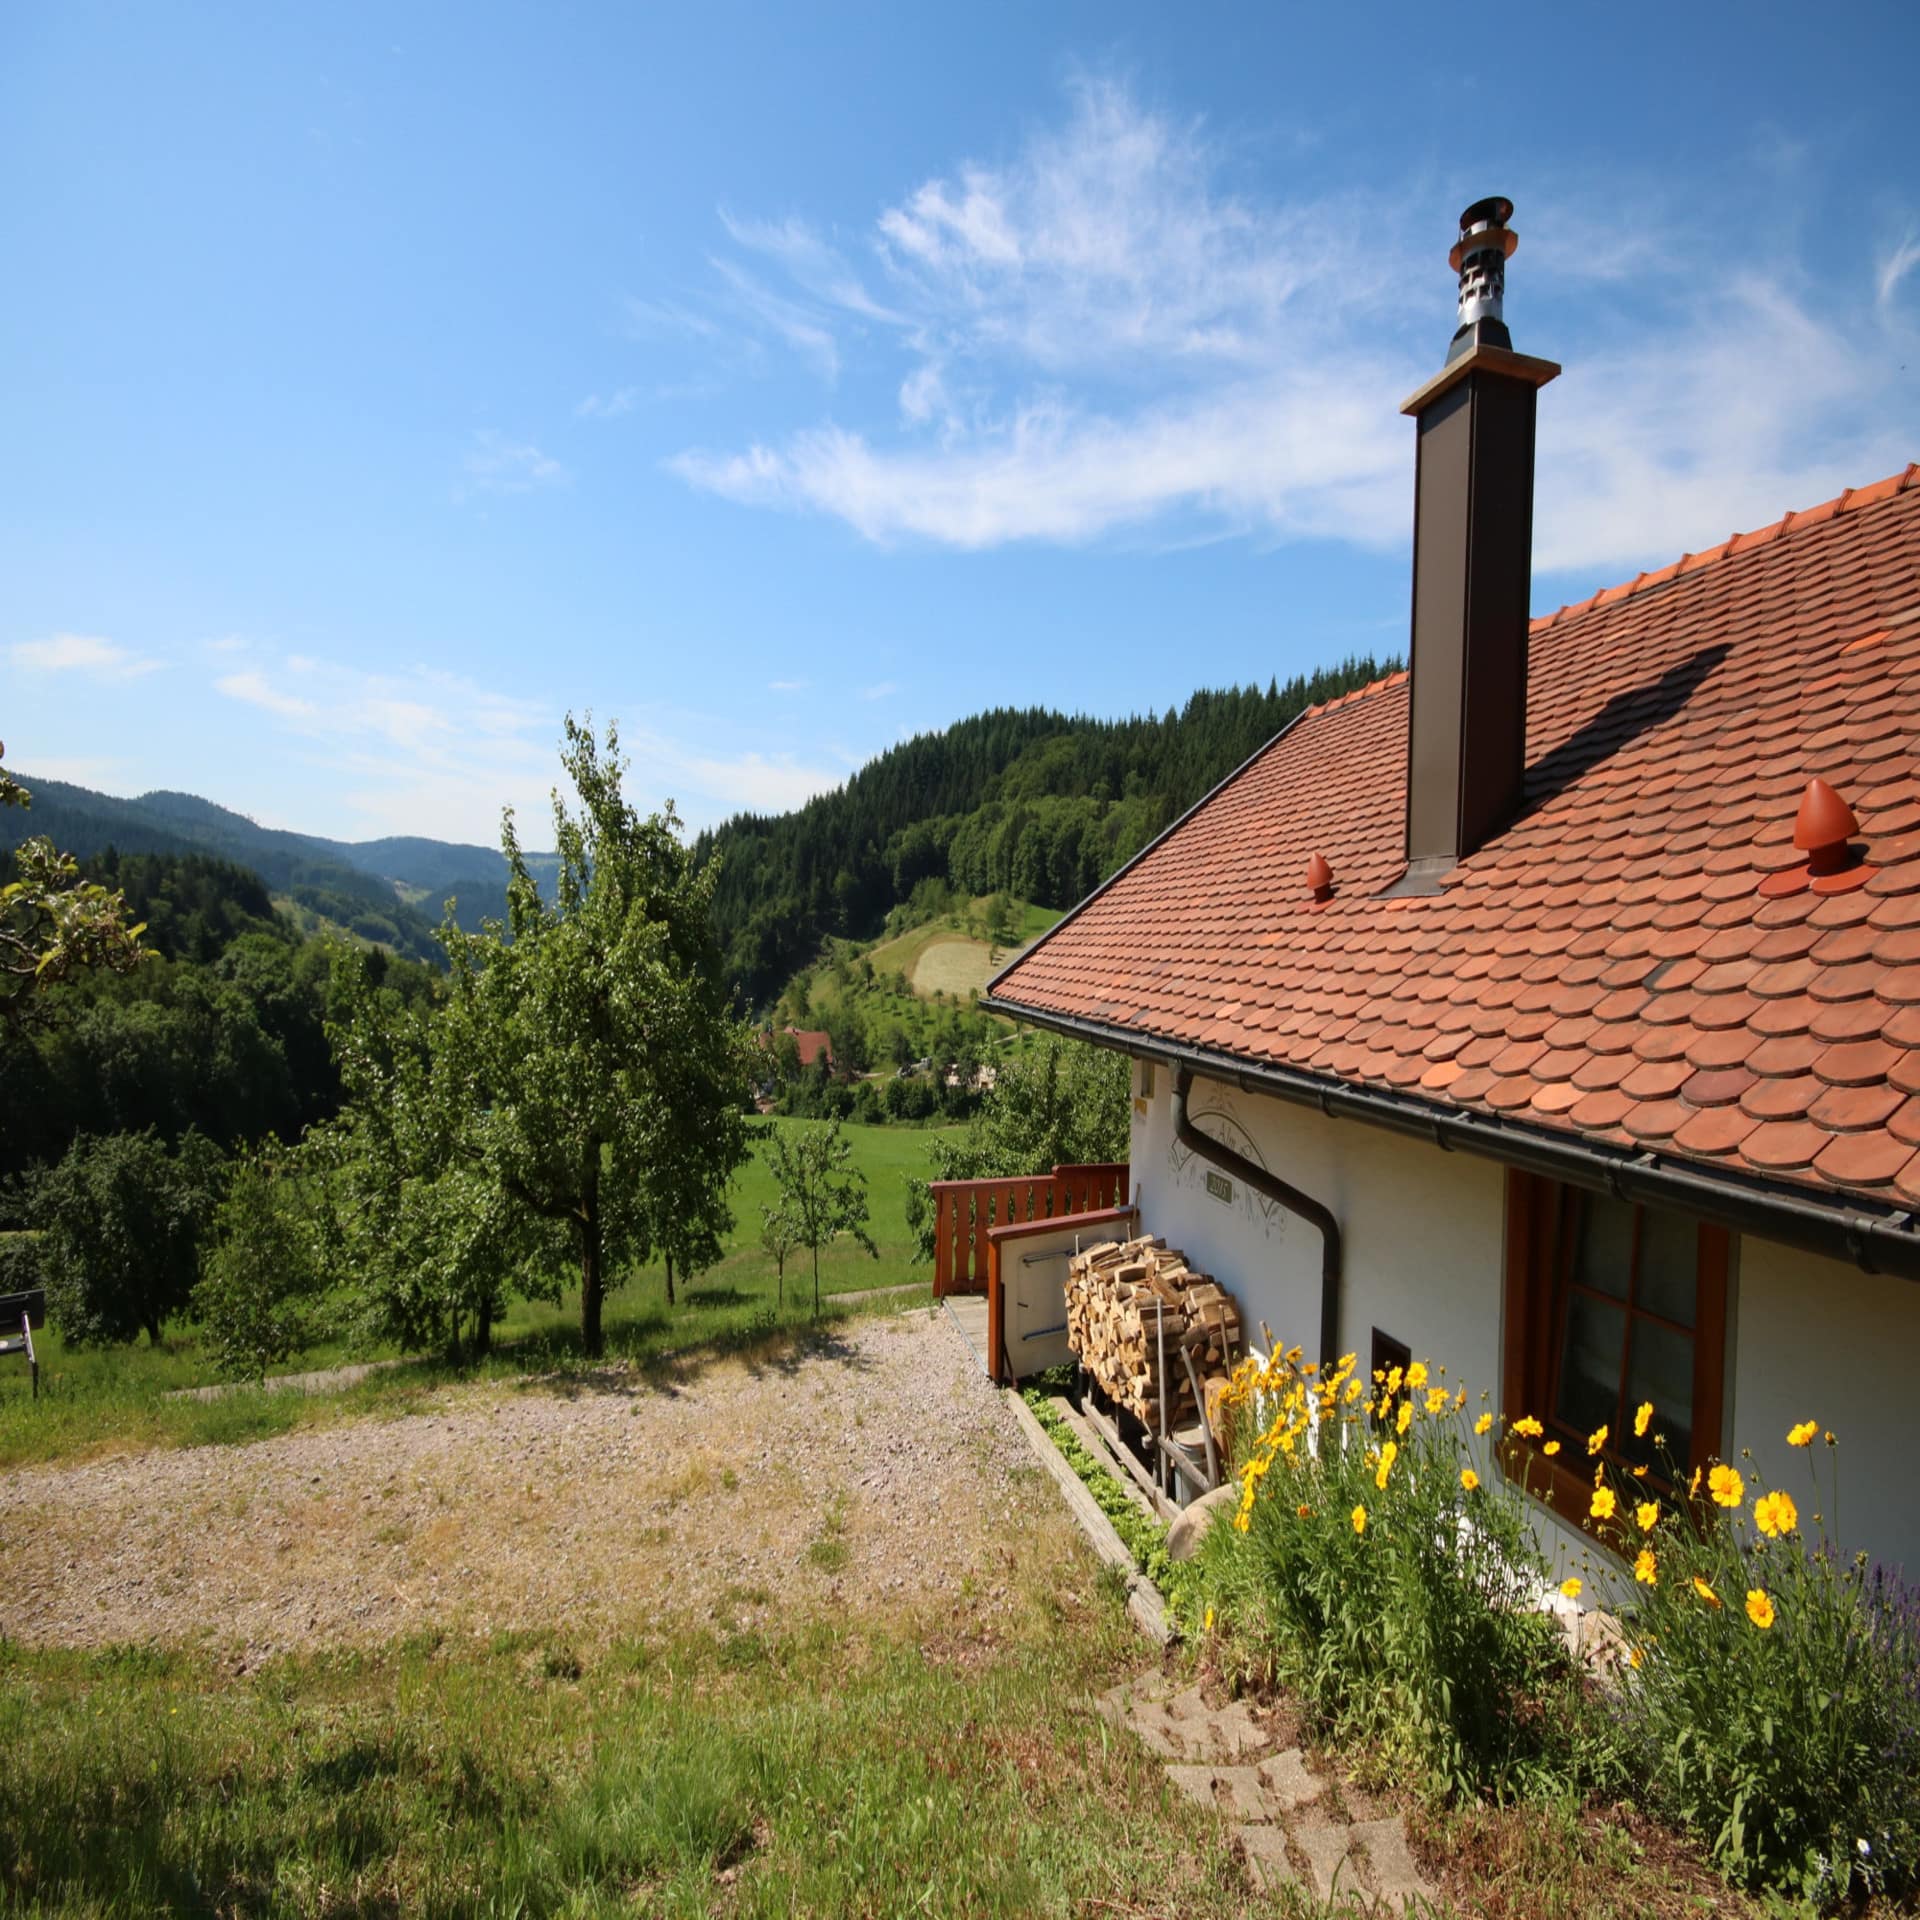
<point x="1472" y="568"/>
<point x="1480" y="258"/>
<point x="1319" y="878"/>
<point x="1822" y="828"/>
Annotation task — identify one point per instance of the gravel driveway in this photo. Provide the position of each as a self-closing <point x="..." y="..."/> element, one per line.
<point x="876" y="1467"/>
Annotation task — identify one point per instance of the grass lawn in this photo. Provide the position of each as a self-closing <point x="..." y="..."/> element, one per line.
<point x="116" y="1398"/>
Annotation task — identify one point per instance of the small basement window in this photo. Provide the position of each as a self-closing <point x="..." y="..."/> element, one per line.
<point x="1610" y="1304"/>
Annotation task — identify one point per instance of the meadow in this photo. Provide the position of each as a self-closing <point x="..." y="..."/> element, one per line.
<point x="120" y="1398"/>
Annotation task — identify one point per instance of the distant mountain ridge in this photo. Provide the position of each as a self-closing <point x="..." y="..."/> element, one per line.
<point x="390" y="889"/>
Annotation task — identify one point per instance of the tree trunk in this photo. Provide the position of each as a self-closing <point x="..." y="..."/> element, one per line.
<point x="780" y="1273"/>
<point x="669" y="1279"/>
<point x="816" y="1282"/>
<point x="483" y="1330"/>
<point x="592" y="1282"/>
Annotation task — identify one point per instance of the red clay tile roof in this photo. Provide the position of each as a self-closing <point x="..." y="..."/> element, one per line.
<point x="1642" y="958"/>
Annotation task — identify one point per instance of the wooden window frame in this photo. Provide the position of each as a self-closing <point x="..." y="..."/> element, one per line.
<point x="1537" y="1222"/>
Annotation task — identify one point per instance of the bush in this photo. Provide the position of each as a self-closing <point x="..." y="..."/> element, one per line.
<point x="20" y="1263"/>
<point x="1380" y="1567"/>
<point x="122" y="1217"/>
<point x="1773" y="1686"/>
<point x="262" y="1272"/>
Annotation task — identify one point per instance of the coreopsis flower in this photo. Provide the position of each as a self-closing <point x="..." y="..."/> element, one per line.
<point x="1416" y="1376"/>
<point x="1603" y="1504"/>
<point x="1570" y="1586"/>
<point x="1705" y="1592"/>
<point x="1404" y="1418"/>
<point x="1636" y="1658"/>
<point x="1759" y="1608"/>
<point x="1552" y="1447"/>
<point x="1642" y="1415"/>
<point x="1528" y="1427"/>
<point x="1693" y="1485"/>
<point x="1775" y="1514"/>
<point x="1802" y="1435"/>
<point x="1388" y="1455"/>
<point x="1469" y="1479"/>
<point x="1597" y="1438"/>
<point x="1304" y="1511"/>
<point x="1726" y="1486"/>
<point x="1436" y="1399"/>
<point x="1647" y="1513"/>
<point x="1646" y="1569"/>
<point x="1206" y="1626"/>
<point x="1483" y="1423"/>
<point x="1359" y="1519"/>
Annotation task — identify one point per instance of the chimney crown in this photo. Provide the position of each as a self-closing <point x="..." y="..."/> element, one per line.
<point x="1480" y="258"/>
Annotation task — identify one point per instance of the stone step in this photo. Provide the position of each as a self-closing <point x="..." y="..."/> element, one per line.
<point x="1183" y="1726"/>
<point x="1263" y="1792"/>
<point x="1371" y="1856"/>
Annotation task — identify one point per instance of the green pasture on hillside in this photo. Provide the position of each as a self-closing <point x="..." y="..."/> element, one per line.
<point x="116" y="1397"/>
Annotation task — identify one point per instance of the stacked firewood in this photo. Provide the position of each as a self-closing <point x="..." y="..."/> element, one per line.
<point x="1133" y="1308"/>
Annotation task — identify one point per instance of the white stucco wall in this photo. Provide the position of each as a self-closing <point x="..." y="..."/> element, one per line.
<point x="1817" y="1340"/>
<point x="1424" y="1261"/>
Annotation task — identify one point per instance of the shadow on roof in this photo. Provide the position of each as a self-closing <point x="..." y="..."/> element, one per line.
<point x="1630" y="713"/>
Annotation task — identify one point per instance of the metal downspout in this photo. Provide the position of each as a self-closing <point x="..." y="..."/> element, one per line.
<point x="1261" y="1181"/>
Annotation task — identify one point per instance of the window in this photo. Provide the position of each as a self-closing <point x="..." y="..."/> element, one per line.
<point x="1610" y="1304"/>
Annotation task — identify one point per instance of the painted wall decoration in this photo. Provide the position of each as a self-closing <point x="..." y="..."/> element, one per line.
<point x="1219" y="1122"/>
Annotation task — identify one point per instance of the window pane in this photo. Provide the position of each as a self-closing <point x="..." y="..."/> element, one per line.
<point x="1661" y="1370"/>
<point x="1603" y="1244"/>
<point x="1589" y="1384"/>
<point x="1669" y="1265"/>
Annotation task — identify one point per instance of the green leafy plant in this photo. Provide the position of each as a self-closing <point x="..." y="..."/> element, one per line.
<point x="1380" y="1567"/>
<point x="261" y="1273"/>
<point x="1772" y="1686"/>
<point x="822" y="1193"/>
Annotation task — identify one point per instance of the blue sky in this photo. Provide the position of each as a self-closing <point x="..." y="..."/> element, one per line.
<point x="378" y="384"/>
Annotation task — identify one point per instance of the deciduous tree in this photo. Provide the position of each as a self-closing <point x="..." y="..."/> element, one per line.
<point x="823" y="1193"/>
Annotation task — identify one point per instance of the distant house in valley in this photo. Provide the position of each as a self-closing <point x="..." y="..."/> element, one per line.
<point x="1552" y="1009"/>
<point x="811" y="1045"/>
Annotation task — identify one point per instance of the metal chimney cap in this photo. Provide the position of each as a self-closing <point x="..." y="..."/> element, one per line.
<point x="1478" y="227"/>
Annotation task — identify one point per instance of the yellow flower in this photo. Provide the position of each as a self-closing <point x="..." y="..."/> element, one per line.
<point x="1759" y="1607"/>
<point x="1693" y="1485"/>
<point x="1404" y="1419"/>
<point x="1388" y="1455"/>
<point x="1642" y="1415"/>
<point x="1469" y="1479"/>
<point x="1551" y="1448"/>
<point x="1207" y="1624"/>
<point x="1460" y="1399"/>
<point x="1483" y="1423"/>
<point x="1528" y="1427"/>
<point x="1603" y="1503"/>
<point x="1639" y="1473"/>
<point x="1570" y="1586"/>
<point x="1802" y="1435"/>
<point x="1597" y="1439"/>
<point x="1647" y="1513"/>
<point x="1705" y="1592"/>
<point x="1359" y="1519"/>
<point x="1726" y="1486"/>
<point x="1645" y="1569"/>
<point x="1304" y="1511"/>
<point x="1417" y="1376"/>
<point x="1436" y="1399"/>
<point x="1635" y="1658"/>
<point x="1775" y="1514"/>
<point x="1353" y="1391"/>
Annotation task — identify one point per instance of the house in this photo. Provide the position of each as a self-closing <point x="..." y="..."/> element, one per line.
<point x="1552" y="1009"/>
<point x="811" y="1045"/>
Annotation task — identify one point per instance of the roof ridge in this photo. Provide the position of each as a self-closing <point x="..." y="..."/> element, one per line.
<point x="1848" y="500"/>
<point x="1356" y="693"/>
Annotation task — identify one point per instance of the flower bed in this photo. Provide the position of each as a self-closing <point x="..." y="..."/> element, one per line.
<point x="1384" y="1564"/>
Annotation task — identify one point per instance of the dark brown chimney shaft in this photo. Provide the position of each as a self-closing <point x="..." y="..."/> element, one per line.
<point x="1472" y="568"/>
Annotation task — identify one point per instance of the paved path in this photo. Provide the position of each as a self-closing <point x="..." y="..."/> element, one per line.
<point x="1289" y="1827"/>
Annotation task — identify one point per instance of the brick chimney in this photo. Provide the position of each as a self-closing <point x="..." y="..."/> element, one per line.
<point x="1472" y="567"/>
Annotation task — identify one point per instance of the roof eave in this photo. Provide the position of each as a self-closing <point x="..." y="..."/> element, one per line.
<point x="1868" y="1233"/>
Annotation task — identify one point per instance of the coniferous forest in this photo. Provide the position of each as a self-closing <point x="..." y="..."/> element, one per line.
<point x="1025" y="801"/>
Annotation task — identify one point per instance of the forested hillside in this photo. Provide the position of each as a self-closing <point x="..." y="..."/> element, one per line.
<point x="1025" y="801"/>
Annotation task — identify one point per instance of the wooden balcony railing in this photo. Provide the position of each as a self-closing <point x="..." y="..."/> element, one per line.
<point x="964" y="1211"/>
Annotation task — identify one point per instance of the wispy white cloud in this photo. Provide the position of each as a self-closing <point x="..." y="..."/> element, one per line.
<point x="254" y="689"/>
<point x="1096" y="335"/>
<point x="226" y="643"/>
<point x="1900" y="262"/>
<point x="786" y="686"/>
<point x="608" y="406"/>
<point x="495" y="464"/>
<point x="85" y="654"/>
<point x="880" y="690"/>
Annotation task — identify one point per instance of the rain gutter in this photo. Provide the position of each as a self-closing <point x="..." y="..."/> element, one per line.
<point x="1876" y="1239"/>
<point x="1251" y="1173"/>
